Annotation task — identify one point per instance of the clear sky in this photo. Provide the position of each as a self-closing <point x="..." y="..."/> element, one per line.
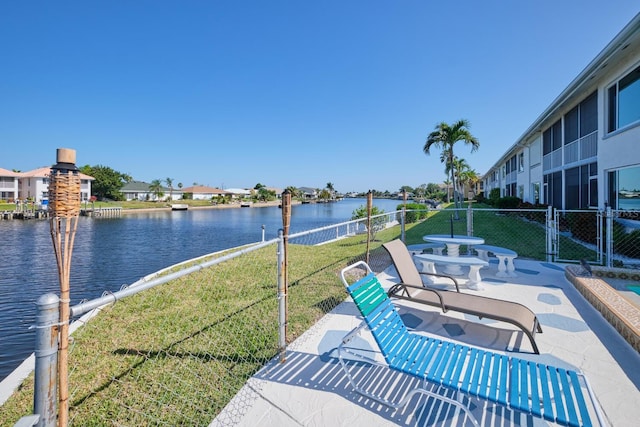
<point x="238" y="92"/>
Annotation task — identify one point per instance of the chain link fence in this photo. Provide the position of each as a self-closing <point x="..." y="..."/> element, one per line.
<point x="177" y="346"/>
<point x="177" y="354"/>
<point x="624" y="229"/>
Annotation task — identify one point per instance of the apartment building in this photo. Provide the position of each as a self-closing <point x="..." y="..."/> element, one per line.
<point x="34" y="185"/>
<point x="583" y="151"/>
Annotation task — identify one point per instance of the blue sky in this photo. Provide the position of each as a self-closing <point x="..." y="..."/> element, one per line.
<point x="235" y="93"/>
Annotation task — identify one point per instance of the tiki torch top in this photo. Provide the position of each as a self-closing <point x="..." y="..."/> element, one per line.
<point x="66" y="160"/>
<point x="64" y="185"/>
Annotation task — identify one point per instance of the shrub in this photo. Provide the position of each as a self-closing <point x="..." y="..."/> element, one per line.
<point x="418" y="212"/>
<point x="377" y="224"/>
<point x="494" y="196"/>
<point x="509" y="202"/>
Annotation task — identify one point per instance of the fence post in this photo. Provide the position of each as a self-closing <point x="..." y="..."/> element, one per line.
<point x="283" y="279"/>
<point x="45" y="395"/>
<point x="403" y="215"/>
<point x="469" y="220"/>
<point x="369" y="224"/>
<point x="282" y="300"/>
<point x="609" y="236"/>
<point x="550" y="231"/>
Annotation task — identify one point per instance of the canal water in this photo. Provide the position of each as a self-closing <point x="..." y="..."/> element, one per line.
<point x="109" y="253"/>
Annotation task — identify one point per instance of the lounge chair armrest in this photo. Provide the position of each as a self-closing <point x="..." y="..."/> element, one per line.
<point x="455" y="282"/>
<point x="397" y="289"/>
<point x="354" y="332"/>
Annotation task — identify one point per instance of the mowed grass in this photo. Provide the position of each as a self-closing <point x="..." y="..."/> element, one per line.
<point x="177" y="354"/>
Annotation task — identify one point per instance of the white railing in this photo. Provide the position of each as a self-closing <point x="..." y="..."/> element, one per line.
<point x="581" y="149"/>
<point x="589" y="146"/>
<point x="552" y="160"/>
<point x="571" y="152"/>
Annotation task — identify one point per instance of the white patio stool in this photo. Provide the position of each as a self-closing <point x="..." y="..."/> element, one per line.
<point x="505" y="256"/>
<point x="428" y="262"/>
<point x="437" y="248"/>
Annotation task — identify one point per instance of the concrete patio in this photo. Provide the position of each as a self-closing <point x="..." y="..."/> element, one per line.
<point x="310" y="389"/>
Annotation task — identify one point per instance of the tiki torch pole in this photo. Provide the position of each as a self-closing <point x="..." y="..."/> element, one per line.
<point x="64" y="210"/>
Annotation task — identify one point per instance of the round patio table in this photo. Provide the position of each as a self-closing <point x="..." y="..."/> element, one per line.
<point x="453" y="247"/>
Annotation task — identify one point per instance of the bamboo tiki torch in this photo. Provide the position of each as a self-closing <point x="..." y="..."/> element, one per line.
<point x="64" y="210"/>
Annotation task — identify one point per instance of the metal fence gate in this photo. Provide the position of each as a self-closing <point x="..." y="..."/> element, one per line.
<point x="607" y="237"/>
<point x="582" y="232"/>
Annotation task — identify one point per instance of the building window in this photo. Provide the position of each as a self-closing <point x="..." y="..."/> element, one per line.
<point x="624" y="101"/>
<point x="553" y="189"/>
<point x="521" y="162"/>
<point x="571" y="126"/>
<point x="624" y="188"/>
<point x="535" y="192"/>
<point x="581" y="187"/>
<point x="552" y="138"/>
<point x="572" y="188"/>
<point x="589" y="115"/>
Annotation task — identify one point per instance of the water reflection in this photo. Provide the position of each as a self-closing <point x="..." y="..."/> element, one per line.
<point x="109" y="253"/>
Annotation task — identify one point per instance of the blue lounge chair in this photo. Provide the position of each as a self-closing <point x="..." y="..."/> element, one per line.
<point x="544" y="391"/>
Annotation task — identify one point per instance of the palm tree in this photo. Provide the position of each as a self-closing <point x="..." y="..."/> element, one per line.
<point x="294" y="191"/>
<point x="445" y="137"/>
<point x="324" y="195"/>
<point x="460" y="167"/>
<point x="156" y="188"/>
<point x="169" y="182"/>
<point x="447" y="183"/>
<point x="470" y="178"/>
<point x="330" y="188"/>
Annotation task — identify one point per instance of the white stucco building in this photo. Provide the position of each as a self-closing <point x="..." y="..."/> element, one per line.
<point x="8" y="185"/>
<point x="583" y="151"/>
<point x="34" y="185"/>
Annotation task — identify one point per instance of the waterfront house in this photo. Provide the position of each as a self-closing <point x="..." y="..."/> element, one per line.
<point x="582" y="151"/>
<point x="35" y="185"/>
<point x="239" y="193"/>
<point x="8" y="185"/>
<point x="308" y="193"/>
<point x="277" y="191"/>
<point x="202" y="192"/>
<point x="139" y="190"/>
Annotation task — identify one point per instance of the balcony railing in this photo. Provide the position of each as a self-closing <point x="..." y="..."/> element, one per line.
<point x="581" y="149"/>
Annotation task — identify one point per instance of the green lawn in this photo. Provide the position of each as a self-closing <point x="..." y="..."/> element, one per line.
<point x="178" y="353"/>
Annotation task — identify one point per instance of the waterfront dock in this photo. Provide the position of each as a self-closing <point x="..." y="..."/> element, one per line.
<point x="114" y="212"/>
<point x="24" y="215"/>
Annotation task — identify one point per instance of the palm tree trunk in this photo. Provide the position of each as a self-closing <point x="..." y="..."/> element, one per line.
<point x="453" y="185"/>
